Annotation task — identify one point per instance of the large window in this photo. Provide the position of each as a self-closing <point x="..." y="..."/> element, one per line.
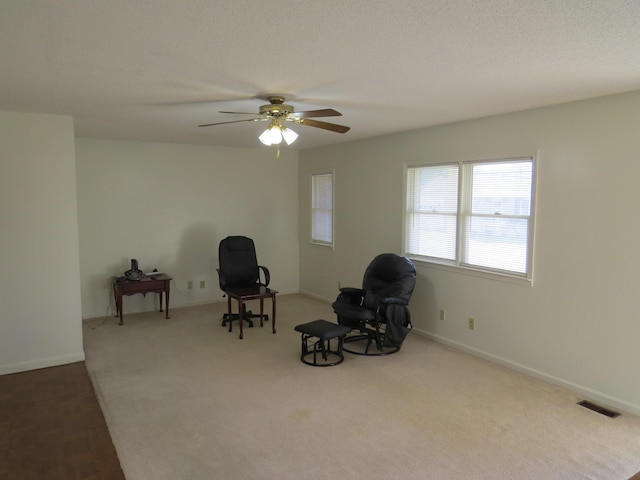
<point x="475" y="214"/>
<point x="322" y="208"/>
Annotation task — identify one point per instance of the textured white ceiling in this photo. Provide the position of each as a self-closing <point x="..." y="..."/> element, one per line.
<point x="154" y="69"/>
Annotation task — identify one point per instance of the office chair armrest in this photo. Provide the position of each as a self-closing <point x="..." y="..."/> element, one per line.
<point x="267" y="276"/>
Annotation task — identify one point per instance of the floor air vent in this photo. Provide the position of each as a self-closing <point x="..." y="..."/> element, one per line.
<point x="599" y="409"/>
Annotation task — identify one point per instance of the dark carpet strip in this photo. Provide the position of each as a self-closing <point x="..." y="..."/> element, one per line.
<point x="51" y="427"/>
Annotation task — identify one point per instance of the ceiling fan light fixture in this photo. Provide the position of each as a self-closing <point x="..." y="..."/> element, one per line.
<point x="272" y="135"/>
<point x="265" y="137"/>
<point x="276" y="133"/>
<point x="289" y="135"/>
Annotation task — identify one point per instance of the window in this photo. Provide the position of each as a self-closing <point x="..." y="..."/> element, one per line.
<point x="322" y="208"/>
<point x="475" y="214"/>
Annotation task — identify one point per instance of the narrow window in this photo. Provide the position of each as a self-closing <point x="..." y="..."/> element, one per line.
<point x="322" y="208"/>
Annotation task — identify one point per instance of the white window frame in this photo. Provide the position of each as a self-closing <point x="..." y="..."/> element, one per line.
<point x="315" y="238"/>
<point x="464" y="193"/>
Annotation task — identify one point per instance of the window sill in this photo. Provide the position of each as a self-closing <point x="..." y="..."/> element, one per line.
<point x="462" y="270"/>
<point x="321" y="244"/>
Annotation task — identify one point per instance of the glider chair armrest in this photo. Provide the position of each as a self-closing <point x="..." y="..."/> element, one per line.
<point x="350" y="295"/>
<point x="393" y="301"/>
<point x="356" y="292"/>
<point x="265" y="273"/>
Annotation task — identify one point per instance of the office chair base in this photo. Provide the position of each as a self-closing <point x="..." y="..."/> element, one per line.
<point x="363" y="344"/>
<point x="247" y="318"/>
<point x="234" y="316"/>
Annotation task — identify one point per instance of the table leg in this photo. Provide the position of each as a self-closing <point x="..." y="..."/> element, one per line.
<point x="229" y="312"/>
<point x="115" y="299"/>
<point x="160" y="294"/>
<point x="166" y="303"/>
<point x="261" y="311"/>
<point x="241" y="308"/>
<point x="119" y="306"/>
<point x="273" y="314"/>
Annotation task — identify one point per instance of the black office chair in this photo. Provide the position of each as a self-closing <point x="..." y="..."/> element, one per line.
<point x="378" y="312"/>
<point x="239" y="268"/>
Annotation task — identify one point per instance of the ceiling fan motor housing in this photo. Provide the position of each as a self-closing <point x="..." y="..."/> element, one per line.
<point x="278" y="110"/>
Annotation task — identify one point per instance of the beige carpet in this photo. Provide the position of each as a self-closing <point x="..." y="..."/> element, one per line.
<point x="185" y="399"/>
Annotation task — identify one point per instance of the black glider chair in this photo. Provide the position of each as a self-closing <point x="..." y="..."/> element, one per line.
<point x="378" y="312"/>
<point x="239" y="268"/>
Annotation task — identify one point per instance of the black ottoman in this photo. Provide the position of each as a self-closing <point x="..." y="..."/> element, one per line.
<point x="324" y="332"/>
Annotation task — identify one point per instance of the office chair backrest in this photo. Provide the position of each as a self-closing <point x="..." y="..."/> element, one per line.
<point x="388" y="275"/>
<point x="238" y="261"/>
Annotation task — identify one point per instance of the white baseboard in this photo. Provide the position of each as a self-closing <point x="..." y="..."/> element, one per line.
<point x="587" y="393"/>
<point x="177" y="304"/>
<point x="317" y="297"/>
<point x="580" y="390"/>
<point x="41" y="363"/>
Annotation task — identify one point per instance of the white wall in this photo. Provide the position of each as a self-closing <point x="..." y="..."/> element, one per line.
<point x="40" y="323"/>
<point x="169" y="205"/>
<point x="578" y="325"/>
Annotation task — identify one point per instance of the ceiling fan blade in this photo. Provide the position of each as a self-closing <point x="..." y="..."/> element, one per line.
<point x="326" y="112"/>
<point x="325" y="125"/>
<point x="237" y="113"/>
<point x="233" y="121"/>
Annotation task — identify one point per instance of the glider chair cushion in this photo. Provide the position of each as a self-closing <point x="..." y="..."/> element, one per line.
<point x="378" y="312"/>
<point x="238" y="269"/>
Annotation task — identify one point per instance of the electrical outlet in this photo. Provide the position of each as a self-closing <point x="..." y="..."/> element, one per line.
<point x="201" y="283"/>
<point x="472" y="324"/>
<point x="190" y="284"/>
<point x="442" y="314"/>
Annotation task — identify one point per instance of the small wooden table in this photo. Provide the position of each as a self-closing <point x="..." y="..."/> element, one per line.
<point x="148" y="284"/>
<point x="253" y="292"/>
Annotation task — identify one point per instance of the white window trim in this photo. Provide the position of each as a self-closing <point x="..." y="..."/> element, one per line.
<point x="312" y="241"/>
<point x="457" y="266"/>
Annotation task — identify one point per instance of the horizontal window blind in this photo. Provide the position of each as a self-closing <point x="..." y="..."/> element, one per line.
<point x="322" y="208"/>
<point x="432" y="207"/>
<point x="473" y="214"/>
<point x="495" y="216"/>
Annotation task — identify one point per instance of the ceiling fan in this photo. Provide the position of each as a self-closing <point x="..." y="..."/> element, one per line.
<point x="278" y="112"/>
